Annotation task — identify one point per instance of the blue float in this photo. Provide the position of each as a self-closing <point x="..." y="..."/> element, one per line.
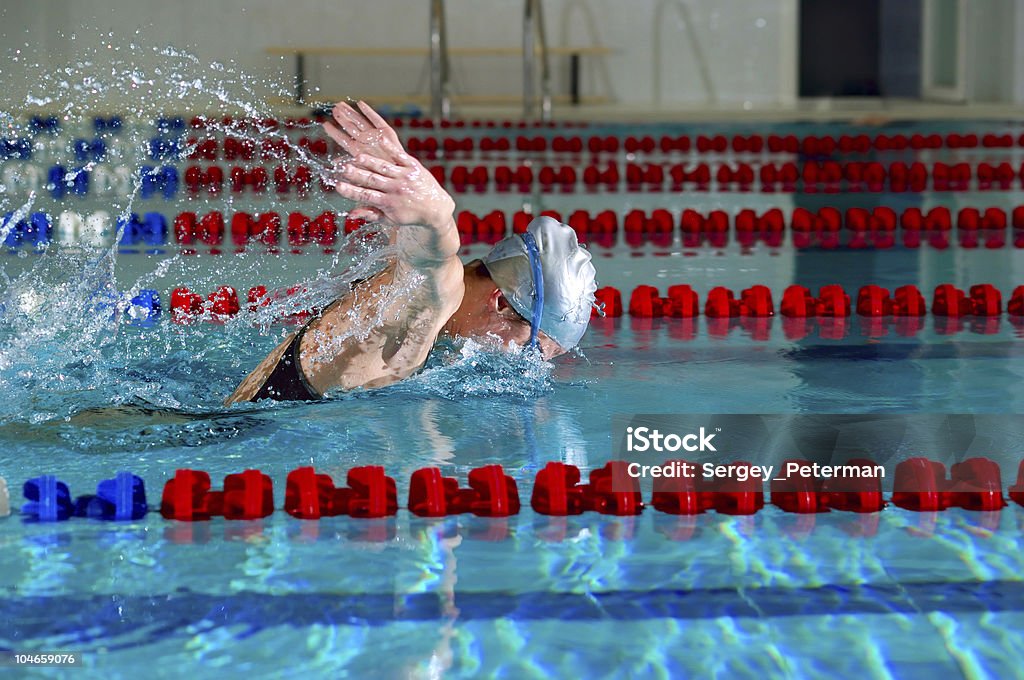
<point x="83" y="149"/>
<point x="90" y="150"/>
<point x="80" y="182"/>
<point x="411" y="110"/>
<point x="169" y="181"/>
<point x="164" y="180"/>
<point x="50" y="124"/>
<point x="37" y="230"/>
<point x="20" y="149"/>
<point x="145" y="307"/>
<point x="157" y="148"/>
<point x="49" y="500"/>
<point x="154" y="229"/>
<point x="120" y="499"/>
<point x="59" y="184"/>
<point x="170" y="124"/>
<point x="131" y="229"/>
<point x="165" y="148"/>
<point x="56" y="182"/>
<point x="34" y="231"/>
<point x="111" y="124"/>
<point x="150" y="183"/>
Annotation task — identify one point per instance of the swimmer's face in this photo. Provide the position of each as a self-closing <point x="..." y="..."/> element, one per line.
<point x="521" y="335"/>
<point x="489" y="316"/>
<point x="509" y="326"/>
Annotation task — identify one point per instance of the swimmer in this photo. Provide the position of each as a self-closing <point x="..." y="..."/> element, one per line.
<point x="534" y="289"/>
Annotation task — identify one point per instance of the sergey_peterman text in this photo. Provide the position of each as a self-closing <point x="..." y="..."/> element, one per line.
<point x="743" y="471"/>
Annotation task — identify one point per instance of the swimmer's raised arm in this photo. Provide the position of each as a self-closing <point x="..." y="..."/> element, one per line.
<point x="389" y="185"/>
<point x="384" y="329"/>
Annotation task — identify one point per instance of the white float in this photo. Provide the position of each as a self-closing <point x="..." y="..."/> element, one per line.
<point x="22" y="178"/>
<point x="58" y="149"/>
<point x="117" y="149"/>
<point x="103" y="181"/>
<point x="124" y="184"/>
<point x="68" y="227"/>
<point x="5" y="499"/>
<point x="96" y="232"/>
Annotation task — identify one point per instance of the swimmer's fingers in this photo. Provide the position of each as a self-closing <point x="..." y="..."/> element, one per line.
<point x="350" y="121"/>
<point x="378" y="165"/>
<point x="397" y="154"/>
<point x="365" y="213"/>
<point x="333" y="132"/>
<point x="374" y="134"/>
<point x="351" y="146"/>
<point x="381" y="148"/>
<point x="379" y="122"/>
<point x="368" y="133"/>
<point x="362" y="195"/>
<point x="358" y="176"/>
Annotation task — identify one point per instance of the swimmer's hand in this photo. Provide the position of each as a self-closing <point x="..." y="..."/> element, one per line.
<point x="382" y="178"/>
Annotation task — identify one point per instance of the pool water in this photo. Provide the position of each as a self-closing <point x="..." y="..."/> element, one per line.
<point x="900" y="594"/>
<point x="891" y="594"/>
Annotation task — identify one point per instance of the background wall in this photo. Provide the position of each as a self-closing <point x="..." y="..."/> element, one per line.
<point x="992" y="40"/>
<point x="667" y="53"/>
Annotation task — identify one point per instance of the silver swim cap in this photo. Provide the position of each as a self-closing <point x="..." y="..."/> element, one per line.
<point x="567" y="273"/>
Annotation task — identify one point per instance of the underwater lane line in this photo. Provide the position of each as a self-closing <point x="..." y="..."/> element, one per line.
<point x="111" y="615"/>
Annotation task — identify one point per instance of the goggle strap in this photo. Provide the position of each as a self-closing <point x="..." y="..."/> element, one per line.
<point x="537" y="274"/>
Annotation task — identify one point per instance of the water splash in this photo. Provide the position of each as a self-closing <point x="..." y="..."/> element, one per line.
<point x="467" y="368"/>
<point x="66" y="353"/>
<point x="64" y="344"/>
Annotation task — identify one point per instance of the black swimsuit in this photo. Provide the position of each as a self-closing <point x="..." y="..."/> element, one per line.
<point x="287" y="382"/>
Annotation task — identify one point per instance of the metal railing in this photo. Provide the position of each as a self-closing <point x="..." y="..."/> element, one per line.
<point x="440" y="99"/>
<point x="534" y="45"/>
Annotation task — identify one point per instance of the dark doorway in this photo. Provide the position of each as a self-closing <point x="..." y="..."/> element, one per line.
<point x="900" y="53"/>
<point x="839" y="55"/>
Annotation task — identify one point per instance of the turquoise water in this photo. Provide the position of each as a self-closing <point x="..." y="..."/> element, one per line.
<point x="895" y="594"/>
